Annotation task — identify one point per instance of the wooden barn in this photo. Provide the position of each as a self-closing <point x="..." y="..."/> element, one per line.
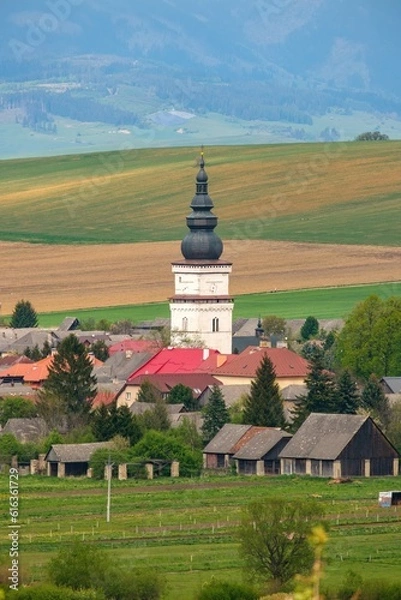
<point x="339" y="446"/>
<point x="65" y="460"/>
<point x="219" y="451"/>
<point x="260" y="455"/>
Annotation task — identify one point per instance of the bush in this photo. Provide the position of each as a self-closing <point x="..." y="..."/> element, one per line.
<point x="165" y="446"/>
<point x="101" y="457"/>
<point x="53" y="592"/>
<point x="219" y="590"/>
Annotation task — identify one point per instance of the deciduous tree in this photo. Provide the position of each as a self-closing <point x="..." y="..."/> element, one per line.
<point x="274" y="538"/>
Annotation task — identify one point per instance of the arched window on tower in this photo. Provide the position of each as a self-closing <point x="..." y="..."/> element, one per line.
<point x="185" y="324"/>
<point x="215" y="324"/>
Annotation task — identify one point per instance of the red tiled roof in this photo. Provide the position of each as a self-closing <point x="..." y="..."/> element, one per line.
<point x="248" y="435"/>
<point x="36" y="372"/>
<point x="16" y="370"/>
<point x="134" y="346"/>
<point x="175" y="360"/>
<point x="105" y="397"/>
<point x="285" y="362"/>
<point x="198" y="382"/>
<point x="14" y="359"/>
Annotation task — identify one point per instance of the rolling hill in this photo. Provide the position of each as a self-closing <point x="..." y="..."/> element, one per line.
<point x="342" y="193"/>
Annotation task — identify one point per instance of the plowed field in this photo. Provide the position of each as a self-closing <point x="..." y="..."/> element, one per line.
<point x="56" y="278"/>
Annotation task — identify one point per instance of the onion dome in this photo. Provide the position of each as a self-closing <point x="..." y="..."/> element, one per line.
<point x="201" y="243"/>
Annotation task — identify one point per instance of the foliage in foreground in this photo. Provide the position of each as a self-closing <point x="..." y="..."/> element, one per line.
<point x="86" y="567"/>
<point x="274" y="539"/>
<point x="225" y="590"/>
<point x="54" y="592"/>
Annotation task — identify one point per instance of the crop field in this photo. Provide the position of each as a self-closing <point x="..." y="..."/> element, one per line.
<point x="68" y="278"/>
<point x="343" y="193"/>
<point x="187" y="528"/>
<point x="94" y="231"/>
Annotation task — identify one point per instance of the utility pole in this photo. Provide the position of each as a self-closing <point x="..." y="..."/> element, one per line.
<point x="109" y="475"/>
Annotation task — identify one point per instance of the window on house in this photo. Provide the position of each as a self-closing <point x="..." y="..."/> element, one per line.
<point x="128" y="395"/>
<point x="185" y="324"/>
<point x="215" y="324"/>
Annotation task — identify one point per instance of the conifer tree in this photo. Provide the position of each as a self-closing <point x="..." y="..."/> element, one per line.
<point x="264" y="405"/>
<point x="148" y="392"/>
<point x="215" y="414"/>
<point x="70" y="379"/>
<point x="347" y="396"/>
<point x="24" y="315"/>
<point x="320" y="396"/>
<point x="182" y="394"/>
<point x="374" y="400"/>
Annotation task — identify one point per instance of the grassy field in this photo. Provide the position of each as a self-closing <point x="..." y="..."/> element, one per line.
<point x="329" y="303"/>
<point x="187" y="528"/>
<point x="339" y="193"/>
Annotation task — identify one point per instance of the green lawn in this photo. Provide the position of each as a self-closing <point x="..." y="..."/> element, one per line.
<point x="325" y="303"/>
<point x="187" y="528"/>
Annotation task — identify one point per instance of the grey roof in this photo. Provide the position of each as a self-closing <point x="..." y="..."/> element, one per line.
<point x="71" y="453"/>
<point x="224" y="441"/>
<point x="292" y="391"/>
<point x="69" y="324"/>
<point x="178" y="419"/>
<point x="138" y="408"/>
<point x="26" y="430"/>
<point x="17" y="389"/>
<point x="30" y="339"/>
<point x="393" y="384"/>
<point x="120" y="366"/>
<point x="232" y="393"/>
<point x="262" y="443"/>
<point x="323" y="436"/>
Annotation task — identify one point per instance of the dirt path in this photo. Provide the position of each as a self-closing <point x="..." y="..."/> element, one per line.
<point x="71" y="277"/>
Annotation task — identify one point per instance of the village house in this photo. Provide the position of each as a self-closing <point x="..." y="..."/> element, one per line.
<point x="290" y="368"/>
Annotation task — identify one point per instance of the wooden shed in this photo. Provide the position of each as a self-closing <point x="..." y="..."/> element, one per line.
<point x="260" y="455"/>
<point x="219" y="451"/>
<point x="64" y="460"/>
<point x="332" y="445"/>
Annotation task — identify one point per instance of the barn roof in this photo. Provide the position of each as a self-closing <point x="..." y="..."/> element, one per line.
<point x="323" y="436"/>
<point x="71" y="453"/>
<point x="261" y="443"/>
<point x="225" y="440"/>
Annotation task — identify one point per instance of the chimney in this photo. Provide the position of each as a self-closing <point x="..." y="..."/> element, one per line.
<point x="206" y="353"/>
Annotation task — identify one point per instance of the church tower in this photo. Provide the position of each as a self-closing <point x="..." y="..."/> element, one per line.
<point x="201" y="308"/>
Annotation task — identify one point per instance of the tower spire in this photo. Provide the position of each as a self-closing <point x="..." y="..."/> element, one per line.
<point x="202" y="243"/>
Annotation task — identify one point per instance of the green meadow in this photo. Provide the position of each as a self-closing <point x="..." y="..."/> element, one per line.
<point x="324" y="303"/>
<point x="338" y="193"/>
<point x="187" y="528"/>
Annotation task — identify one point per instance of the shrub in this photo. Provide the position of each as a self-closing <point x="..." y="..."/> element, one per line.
<point x="217" y="590"/>
<point x="53" y="592"/>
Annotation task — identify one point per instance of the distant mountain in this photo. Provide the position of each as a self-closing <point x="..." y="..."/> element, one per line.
<point x="275" y="61"/>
